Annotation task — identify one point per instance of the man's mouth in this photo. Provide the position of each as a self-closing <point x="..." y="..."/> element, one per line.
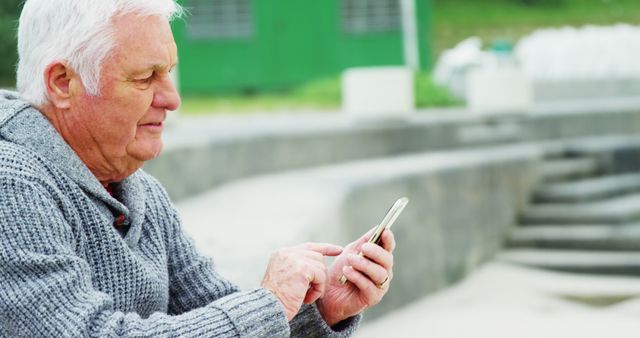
<point x="155" y="123"/>
<point x="152" y="127"/>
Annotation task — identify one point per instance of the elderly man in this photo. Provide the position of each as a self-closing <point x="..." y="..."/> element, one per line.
<point x="90" y="244"/>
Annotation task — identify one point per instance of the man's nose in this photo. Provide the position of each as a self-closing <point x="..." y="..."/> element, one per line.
<point x="166" y="95"/>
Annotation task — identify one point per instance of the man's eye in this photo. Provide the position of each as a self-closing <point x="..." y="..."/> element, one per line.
<point x="146" y="80"/>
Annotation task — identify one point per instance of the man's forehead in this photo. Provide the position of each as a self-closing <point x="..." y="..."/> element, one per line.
<point x="135" y="62"/>
<point x="145" y="44"/>
<point x="146" y="68"/>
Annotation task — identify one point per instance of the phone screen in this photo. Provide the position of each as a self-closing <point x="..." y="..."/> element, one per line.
<point x="389" y="219"/>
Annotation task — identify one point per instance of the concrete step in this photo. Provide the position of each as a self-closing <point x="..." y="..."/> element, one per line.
<point x="589" y="145"/>
<point x="601" y="144"/>
<point x="617" y="210"/>
<point x="585" y="237"/>
<point x="569" y="169"/>
<point x="505" y="132"/>
<point x="598" y="262"/>
<point x="588" y="189"/>
<point x="556" y="151"/>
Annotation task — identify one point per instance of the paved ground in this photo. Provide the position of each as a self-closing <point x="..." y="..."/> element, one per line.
<point x="508" y="301"/>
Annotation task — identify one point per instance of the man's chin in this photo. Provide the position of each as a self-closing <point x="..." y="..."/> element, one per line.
<point x="149" y="152"/>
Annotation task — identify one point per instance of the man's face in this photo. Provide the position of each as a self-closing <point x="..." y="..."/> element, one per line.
<point x="117" y="130"/>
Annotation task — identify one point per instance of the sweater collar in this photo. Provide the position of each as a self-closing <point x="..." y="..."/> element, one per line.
<point x="23" y="124"/>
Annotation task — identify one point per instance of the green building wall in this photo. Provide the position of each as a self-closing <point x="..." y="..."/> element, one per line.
<point x="293" y="41"/>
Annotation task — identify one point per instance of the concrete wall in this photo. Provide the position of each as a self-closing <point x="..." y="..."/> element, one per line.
<point x="583" y="118"/>
<point x="227" y="153"/>
<point x="239" y="155"/>
<point x="546" y="91"/>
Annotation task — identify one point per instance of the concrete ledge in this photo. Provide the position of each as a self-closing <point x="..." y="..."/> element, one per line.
<point x="558" y="90"/>
<point x="463" y="204"/>
<point x="583" y="118"/>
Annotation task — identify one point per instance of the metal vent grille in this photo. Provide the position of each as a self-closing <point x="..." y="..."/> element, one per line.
<point x="370" y="16"/>
<point x="220" y="19"/>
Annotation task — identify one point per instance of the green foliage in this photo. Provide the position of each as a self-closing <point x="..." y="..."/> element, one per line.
<point x="9" y="14"/>
<point x="323" y="94"/>
<point x="539" y="2"/>
<point x="319" y="95"/>
<point x="429" y="94"/>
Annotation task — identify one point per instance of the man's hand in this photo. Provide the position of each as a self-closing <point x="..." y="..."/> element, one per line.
<point x="298" y="274"/>
<point x="368" y="278"/>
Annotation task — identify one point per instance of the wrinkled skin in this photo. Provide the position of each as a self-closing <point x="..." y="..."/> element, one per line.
<point x="119" y="129"/>
<point x="364" y="273"/>
<point x="298" y="275"/>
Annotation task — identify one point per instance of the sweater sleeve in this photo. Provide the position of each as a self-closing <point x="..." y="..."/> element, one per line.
<point x="195" y="283"/>
<point x="47" y="289"/>
<point x="308" y="323"/>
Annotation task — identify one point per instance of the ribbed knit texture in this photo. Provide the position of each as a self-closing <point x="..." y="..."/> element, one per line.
<point x="65" y="271"/>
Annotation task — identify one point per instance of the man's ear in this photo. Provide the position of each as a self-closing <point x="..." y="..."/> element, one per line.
<point x="58" y="76"/>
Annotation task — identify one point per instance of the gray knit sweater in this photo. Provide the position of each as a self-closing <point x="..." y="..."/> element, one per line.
<point x="65" y="271"/>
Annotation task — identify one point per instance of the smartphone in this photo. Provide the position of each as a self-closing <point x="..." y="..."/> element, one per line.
<point x="386" y="223"/>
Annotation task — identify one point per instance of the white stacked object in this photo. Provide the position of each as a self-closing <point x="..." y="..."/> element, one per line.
<point x="582" y="63"/>
<point x="501" y="89"/>
<point x="559" y="63"/>
<point x="590" y="52"/>
<point x="378" y="91"/>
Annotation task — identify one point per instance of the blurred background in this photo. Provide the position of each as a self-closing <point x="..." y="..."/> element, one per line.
<point x="511" y="125"/>
<point x="242" y="56"/>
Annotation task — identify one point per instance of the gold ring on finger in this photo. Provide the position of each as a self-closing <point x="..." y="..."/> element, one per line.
<point x="384" y="283"/>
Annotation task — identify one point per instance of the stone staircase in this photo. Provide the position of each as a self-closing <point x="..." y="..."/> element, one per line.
<point x="584" y="217"/>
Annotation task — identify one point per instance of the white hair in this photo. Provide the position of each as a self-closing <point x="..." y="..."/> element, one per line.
<point x="78" y="32"/>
